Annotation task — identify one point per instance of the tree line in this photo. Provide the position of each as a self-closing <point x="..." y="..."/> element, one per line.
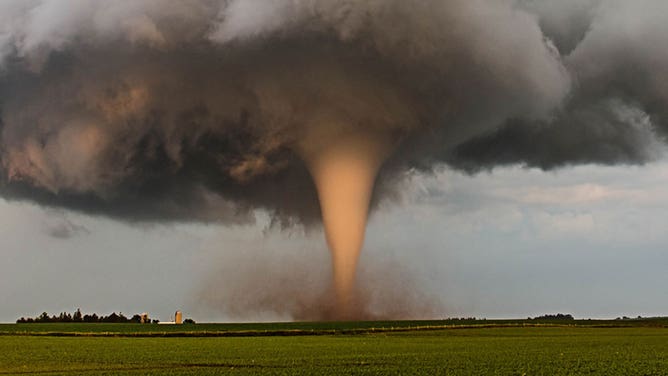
<point x="558" y="316"/>
<point x="91" y="318"/>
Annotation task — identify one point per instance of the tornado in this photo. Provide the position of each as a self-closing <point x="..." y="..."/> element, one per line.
<point x="344" y="165"/>
<point x="215" y="111"/>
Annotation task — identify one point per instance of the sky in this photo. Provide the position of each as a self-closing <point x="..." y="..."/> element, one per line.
<point x="514" y="242"/>
<point x="158" y="155"/>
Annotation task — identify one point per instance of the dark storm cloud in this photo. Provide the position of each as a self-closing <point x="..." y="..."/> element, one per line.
<point x="617" y="110"/>
<point x="192" y="110"/>
<point x="608" y="132"/>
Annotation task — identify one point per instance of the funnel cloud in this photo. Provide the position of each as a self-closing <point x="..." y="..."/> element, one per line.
<point x="208" y="110"/>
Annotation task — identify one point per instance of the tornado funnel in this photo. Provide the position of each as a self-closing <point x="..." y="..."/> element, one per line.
<point x="344" y="168"/>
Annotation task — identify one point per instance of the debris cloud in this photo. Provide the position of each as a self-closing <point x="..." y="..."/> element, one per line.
<point x="295" y="285"/>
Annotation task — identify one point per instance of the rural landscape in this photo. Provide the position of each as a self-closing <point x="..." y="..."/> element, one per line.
<point x="334" y="187"/>
<point x="547" y="345"/>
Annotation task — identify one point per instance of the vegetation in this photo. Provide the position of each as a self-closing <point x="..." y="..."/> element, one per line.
<point x="77" y="316"/>
<point x="302" y="328"/>
<point x="539" y="350"/>
<point x="558" y="317"/>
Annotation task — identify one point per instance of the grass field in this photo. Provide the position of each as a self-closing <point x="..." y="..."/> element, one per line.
<point x="299" y="328"/>
<point x="540" y="350"/>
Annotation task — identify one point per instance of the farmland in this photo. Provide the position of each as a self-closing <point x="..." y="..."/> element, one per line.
<point x="501" y="348"/>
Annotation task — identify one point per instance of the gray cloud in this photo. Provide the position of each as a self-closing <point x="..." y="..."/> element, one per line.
<point x="607" y="131"/>
<point x="564" y="22"/>
<point x="616" y="112"/>
<point x="65" y="229"/>
<point x="192" y="110"/>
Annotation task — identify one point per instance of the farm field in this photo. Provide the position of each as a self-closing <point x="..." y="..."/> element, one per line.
<point x="559" y="350"/>
<point x="300" y="328"/>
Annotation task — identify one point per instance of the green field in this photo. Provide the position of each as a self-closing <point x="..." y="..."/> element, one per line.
<point x="115" y="349"/>
<point x="300" y="328"/>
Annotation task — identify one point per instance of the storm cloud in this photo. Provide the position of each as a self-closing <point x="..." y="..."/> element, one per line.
<point x="616" y="110"/>
<point x="161" y="110"/>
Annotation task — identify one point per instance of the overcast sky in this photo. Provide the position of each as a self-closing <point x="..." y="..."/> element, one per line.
<point x="516" y="242"/>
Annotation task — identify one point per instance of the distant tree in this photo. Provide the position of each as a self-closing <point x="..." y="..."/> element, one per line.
<point x="77" y="316"/>
<point x="113" y="318"/>
<point x="44" y="317"/>
<point x="188" y="321"/>
<point x="63" y="317"/>
<point x="558" y="316"/>
<point x="91" y="318"/>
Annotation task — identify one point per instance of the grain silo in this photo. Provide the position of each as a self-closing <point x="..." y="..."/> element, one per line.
<point x="178" y="317"/>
